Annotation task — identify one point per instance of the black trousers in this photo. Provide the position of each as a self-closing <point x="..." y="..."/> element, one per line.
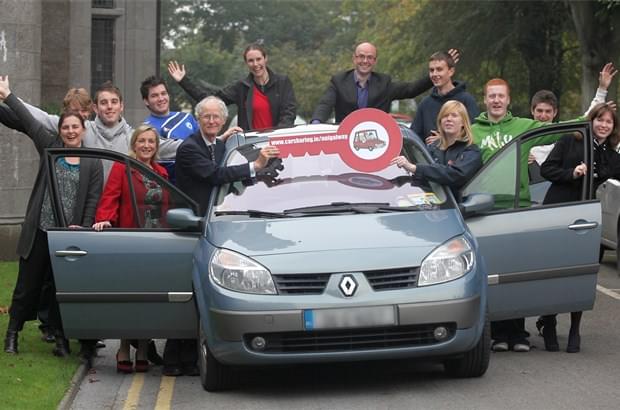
<point x="511" y="331"/>
<point x="180" y="352"/>
<point x="33" y="273"/>
<point x="43" y="311"/>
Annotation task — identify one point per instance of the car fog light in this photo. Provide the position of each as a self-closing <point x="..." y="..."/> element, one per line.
<point x="259" y="343"/>
<point x="440" y="333"/>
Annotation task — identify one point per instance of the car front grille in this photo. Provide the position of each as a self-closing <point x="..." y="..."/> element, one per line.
<point x="340" y="340"/>
<point x="391" y="279"/>
<point x="301" y="284"/>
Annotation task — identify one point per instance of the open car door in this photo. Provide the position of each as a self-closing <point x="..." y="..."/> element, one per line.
<point x="124" y="282"/>
<point x="541" y="259"/>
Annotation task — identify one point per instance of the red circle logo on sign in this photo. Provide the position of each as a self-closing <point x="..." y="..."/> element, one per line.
<point x="374" y="139"/>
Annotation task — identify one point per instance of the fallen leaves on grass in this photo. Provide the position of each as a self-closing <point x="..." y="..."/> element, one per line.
<point x="4" y="310"/>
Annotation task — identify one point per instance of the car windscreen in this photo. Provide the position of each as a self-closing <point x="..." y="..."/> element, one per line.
<point x="300" y="183"/>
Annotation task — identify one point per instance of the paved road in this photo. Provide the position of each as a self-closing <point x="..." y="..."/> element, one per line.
<point x="535" y="380"/>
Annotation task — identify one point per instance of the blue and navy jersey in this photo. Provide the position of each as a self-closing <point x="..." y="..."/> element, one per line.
<point x="176" y="125"/>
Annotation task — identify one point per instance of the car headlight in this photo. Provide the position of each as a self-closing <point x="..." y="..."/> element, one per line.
<point x="450" y="261"/>
<point x="236" y="272"/>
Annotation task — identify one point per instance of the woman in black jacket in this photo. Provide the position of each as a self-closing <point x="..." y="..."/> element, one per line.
<point x="264" y="99"/>
<point x="456" y="157"/>
<point x="565" y="169"/>
<point x="80" y="181"/>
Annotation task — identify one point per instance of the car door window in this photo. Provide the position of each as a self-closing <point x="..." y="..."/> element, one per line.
<point x="513" y="178"/>
<point x="147" y="196"/>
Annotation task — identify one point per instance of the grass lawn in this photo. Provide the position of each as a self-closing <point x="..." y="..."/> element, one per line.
<point x="33" y="379"/>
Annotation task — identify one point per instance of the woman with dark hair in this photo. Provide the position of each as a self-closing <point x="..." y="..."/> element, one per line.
<point x="565" y="169"/>
<point x="79" y="186"/>
<point x="264" y="99"/>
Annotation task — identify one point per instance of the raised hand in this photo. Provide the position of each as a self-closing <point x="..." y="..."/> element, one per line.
<point x="606" y="75"/>
<point x="4" y="87"/>
<point x="176" y="70"/>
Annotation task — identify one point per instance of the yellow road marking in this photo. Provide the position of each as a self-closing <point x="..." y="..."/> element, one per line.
<point x="133" y="395"/>
<point x="164" y="397"/>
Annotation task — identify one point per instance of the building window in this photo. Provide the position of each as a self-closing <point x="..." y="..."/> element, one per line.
<point x="102" y="52"/>
<point x="103" y="4"/>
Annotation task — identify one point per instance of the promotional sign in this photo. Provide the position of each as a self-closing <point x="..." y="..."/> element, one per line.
<point x="366" y="140"/>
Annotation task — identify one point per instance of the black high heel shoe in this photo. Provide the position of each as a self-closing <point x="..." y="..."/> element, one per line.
<point x="574" y="342"/>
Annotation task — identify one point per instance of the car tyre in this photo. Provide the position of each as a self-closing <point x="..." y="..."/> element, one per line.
<point x="475" y="362"/>
<point x="214" y="375"/>
<point x="601" y="253"/>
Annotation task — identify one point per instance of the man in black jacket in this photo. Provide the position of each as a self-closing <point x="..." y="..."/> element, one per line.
<point x="363" y="88"/>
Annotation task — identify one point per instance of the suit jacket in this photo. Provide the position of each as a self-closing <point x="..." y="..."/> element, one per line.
<point x="89" y="188"/>
<point x="197" y="174"/>
<point x="341" y="94"/>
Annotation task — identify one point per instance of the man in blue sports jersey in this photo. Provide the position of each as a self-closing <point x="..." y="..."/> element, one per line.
<point x="169" y="124"/>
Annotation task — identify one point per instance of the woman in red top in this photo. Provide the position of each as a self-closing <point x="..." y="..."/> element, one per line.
<point x="116" y="209"/>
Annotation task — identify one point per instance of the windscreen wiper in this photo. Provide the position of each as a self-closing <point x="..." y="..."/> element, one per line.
<point x="350" y="207"/>
<point x="254" y="213"/>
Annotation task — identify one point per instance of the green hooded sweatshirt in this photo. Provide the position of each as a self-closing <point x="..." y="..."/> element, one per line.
<point x="491" y="136"/>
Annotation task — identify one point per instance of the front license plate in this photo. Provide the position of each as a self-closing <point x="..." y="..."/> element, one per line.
<point x="343" y="318"/>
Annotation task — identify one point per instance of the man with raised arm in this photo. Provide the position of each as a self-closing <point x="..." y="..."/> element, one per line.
<point x="361" y="87"/>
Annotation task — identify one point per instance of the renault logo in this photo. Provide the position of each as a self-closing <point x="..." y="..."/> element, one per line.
<point x="348" y="285"/>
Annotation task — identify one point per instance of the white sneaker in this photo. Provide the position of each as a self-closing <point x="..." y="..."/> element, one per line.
<point x="500" y="347"/>
<point x="521" y="347"/>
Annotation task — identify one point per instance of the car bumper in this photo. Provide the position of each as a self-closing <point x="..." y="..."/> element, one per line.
<point x="231" y="334"/>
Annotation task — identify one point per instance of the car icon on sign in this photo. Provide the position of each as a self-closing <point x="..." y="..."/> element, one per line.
<point x="367" y="139"/>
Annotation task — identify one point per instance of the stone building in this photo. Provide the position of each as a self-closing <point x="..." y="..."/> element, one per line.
<point x="48" y="46"/>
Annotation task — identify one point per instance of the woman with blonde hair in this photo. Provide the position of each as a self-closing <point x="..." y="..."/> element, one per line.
<point x="456" y="157"/>
<point x="116" y="209"/>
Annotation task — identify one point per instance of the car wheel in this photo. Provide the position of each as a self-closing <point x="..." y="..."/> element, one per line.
<point x="601" y="253"/>
<point x="356" y="148"/>
<point x="214" y="376"/>
<point x="370" y="148"/>
<point x="475" y="362"/>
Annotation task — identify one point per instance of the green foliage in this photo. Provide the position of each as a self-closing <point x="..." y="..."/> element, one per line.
<point x="532" y="44"/>
<point x="33" y="379"/>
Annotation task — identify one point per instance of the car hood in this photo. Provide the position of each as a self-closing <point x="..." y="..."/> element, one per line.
<point x="360" y="241"/>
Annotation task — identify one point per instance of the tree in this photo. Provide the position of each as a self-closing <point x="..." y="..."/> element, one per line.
<point x="598" y="27"/>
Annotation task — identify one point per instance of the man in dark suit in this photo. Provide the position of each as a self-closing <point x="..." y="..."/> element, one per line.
<point x="198" y="170"/>
<point x="198" y="157"/>
<point x="363" y="88"/>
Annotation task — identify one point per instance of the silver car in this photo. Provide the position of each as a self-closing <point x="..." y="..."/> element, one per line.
<point x="314" y="261"/>
<point x="609" y="195"/>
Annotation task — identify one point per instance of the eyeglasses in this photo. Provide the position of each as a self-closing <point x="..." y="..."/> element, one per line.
<point x="210" y="117"/>
<point x="364" y="57"/>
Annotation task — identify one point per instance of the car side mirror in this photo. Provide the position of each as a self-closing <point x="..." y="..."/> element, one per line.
<point x="474" y="204"/>
<point x="183" y="218"/>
